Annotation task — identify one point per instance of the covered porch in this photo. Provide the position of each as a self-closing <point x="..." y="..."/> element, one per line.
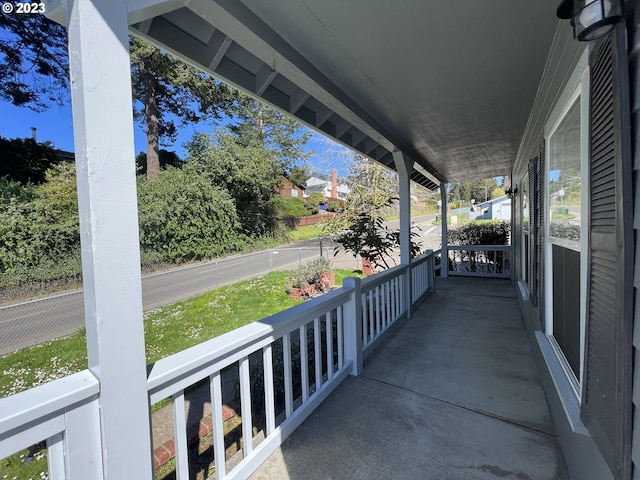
<point x="453" y="392"/>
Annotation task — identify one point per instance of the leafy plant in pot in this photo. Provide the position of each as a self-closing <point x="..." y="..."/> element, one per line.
<point x="373" y="241"/>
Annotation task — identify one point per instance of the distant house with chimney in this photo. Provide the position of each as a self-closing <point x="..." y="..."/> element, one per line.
<point x="331" y="187"/>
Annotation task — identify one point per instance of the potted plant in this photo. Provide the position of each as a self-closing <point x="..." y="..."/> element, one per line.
<point x="373" y="241"/>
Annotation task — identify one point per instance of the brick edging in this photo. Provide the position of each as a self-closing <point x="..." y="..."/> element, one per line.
<point x="166" y="451"/>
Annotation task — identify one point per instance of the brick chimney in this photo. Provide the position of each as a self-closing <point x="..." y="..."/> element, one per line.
<point x="334" y="184"/>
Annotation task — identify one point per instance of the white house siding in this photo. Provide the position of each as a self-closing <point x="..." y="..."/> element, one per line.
<point x="634" y="72"/>
<point x="581" y="454"/>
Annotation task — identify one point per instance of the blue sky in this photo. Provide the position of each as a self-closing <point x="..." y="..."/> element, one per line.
<point x="56" y="125"/>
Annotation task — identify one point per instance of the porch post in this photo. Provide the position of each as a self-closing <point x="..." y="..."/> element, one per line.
<point x="444" y="256"/>
<point x="103" y="127"/>
<point x="404" y="164"/>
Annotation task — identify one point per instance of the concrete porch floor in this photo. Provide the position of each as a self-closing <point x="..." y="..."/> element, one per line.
<point x="453" y="393"/>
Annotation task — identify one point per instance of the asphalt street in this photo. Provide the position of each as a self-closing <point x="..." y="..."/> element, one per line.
<point x="37" y="321"/>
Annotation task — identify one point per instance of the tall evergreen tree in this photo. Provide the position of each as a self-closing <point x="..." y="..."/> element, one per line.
<point x="34" y="66"/>
<point x="165" y="85"/>
<point x="259" y="125"/>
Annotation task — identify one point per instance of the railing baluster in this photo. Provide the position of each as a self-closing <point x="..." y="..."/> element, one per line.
<point x="372" y="313"/>
<point x="180" y="436"/>
<point x="378" y="313"/>
<point x="218" y="425"/>
<point x="387" y="297"/>
<point x="394" y="306"/>
<point x="340" y="327"/>
<point x="288" y="394"/>
<point x="318" y="352"/>
<point x="245" y="406"/>
<point x="269" y="394"/>
<point x="55" y="457"/>
<point x="365" y="319"/>
<point x="304" y="363"/>
<point x="329" y="323"/>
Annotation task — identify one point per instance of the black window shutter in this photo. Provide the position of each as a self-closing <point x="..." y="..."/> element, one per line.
<point x="533" y="208"/>
<point x="539" y="229"/>
<point x="606" y="388"/>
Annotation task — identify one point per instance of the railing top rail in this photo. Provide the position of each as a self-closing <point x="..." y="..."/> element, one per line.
<point x="379" y="278"/>
<point x="226" y="347"/>
<point x="479" y="247"/>
<point x="422" y="258"/>
<point x="25" y="407"/>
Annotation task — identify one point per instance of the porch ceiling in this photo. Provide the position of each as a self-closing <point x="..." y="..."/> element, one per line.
<point x="450" y="83"/>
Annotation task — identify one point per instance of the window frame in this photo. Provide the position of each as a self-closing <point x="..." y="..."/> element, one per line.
<point x="577" y="88"/>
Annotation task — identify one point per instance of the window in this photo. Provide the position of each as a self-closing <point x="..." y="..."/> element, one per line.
<point x="566" y="136"/>
<point x="294" y="192"/>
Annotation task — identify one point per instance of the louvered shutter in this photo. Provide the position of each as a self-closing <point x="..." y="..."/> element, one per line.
<point x="533" y="208"/>
<point x="539" y="228"/>
<point x="606" y="389"/>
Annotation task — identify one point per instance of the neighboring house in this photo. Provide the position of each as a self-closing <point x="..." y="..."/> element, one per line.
<point x="496" y="209"/>
<point x="291" y="190"/>
<point x="331" y="187"/>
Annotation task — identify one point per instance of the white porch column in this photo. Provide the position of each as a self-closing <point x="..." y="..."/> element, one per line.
<point x="103" y="128"/>
<point x="444" y="257"/>
<point x="404" y="164"/>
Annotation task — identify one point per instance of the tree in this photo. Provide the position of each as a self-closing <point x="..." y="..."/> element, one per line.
<point x="479" y="190"/>
<point x="166" y="159"/>
<point x="373" y="190"/>
<point x="26" y="161"/>
<point x="281" y="136"/>
<point x="34" y="65"/>
<point x="251" y="174"/>
<point x="298" y="174"/>
<point x="165" y="85"/>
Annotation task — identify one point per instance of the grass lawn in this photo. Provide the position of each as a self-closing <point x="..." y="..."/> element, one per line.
<point x="299" y="234"/>
<point x="167" y="330"/>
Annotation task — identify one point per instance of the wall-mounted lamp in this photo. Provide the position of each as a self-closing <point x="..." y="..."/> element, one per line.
<point x="512" y="192"/>
<point x="591" y="19"/>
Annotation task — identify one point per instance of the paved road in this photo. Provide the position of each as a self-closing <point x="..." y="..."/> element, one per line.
<point x="40" y="320"/>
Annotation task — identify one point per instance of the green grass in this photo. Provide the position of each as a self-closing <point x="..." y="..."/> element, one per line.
<point x="167" y="330"/>
<point x="299" y="234"/>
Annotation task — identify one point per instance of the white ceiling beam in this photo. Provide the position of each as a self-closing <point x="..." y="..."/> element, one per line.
<point x="218" y="50"/>
<point x="297" y="99"/>
<point x="264" y="77"/>
<point x="141" y="10"/>
<point x="322" y="115"/>
<point x="341" y="128"/>
<point x="357" y="137"/>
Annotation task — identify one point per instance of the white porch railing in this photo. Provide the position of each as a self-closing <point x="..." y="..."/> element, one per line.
<point x="285" y="365"/>
<point x="62" y="413"/>
<point x="493" y="261"/>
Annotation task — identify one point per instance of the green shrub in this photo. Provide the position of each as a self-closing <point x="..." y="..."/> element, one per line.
<point x="495" y="233"/>
<point x="184" y="217"/>
<point x="293" y="207"/>
<point x="335" y="205"/>
<point x="39" y="227"/>
<point x="314" y="201"/>
<point x="309" y="273"/>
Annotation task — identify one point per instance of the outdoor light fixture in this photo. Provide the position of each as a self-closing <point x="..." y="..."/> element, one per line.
<point x="591" y="19"/>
